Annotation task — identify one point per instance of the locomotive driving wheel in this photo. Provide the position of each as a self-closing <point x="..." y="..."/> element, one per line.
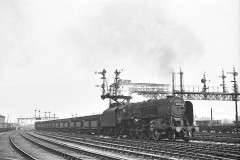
<point x="139" y="130"/>
<point x="186" y="136"/>
<point x="148" y="135"/>
<point x="156" y="135"/>
<point x="186" y="139"/>
<point x="132" y="133"/>
<point x="140" y="134"/>
<point x="144" y="135"/>
<point x="171" y="135"/>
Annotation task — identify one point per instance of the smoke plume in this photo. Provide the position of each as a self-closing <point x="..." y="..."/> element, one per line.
<point x="141" y="34"/>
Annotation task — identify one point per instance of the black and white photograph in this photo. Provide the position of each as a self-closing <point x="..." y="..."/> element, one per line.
<point x="119" y="79"/>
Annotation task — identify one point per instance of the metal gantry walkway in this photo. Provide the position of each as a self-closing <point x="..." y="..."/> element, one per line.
<point x="188" y="92"/>
<point x="153" y="92"/>
<point x="208" y="96"/>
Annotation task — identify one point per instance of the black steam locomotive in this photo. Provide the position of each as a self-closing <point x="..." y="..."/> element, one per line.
<point x="170" y="118"/>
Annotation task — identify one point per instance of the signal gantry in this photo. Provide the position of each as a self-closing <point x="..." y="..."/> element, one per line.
<point x="193" y="92"/>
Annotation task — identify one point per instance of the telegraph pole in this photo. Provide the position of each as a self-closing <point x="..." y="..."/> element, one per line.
<point x="235" y="74"/>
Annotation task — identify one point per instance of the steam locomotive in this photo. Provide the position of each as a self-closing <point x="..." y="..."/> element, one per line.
<point x="170" y="118"/>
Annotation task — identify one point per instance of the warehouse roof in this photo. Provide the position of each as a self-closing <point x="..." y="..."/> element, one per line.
<point x="1" y="115"/>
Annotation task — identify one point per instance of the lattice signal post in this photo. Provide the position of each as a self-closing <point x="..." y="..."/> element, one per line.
<point x="223" y="82"/>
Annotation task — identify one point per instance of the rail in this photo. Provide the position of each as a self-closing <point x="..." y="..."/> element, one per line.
<point x="25" y="154"/>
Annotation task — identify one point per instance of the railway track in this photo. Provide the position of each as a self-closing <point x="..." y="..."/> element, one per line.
<point x="86" y="150"/>
<point x="149" y="149"/>
<point x="108" y="149"/>
<point x="57" y="148"/>
<point x="29" y="150"/>
<point x="54" y="149"/>
<point x="218" y="137"/>
<point x="6" y="149"/>
<point x="17" y="147"/>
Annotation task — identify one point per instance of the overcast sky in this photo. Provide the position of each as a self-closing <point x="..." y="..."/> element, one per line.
<point x="49" y="50"/>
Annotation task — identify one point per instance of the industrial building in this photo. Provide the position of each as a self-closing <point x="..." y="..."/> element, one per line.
<point x="2" y="119"/>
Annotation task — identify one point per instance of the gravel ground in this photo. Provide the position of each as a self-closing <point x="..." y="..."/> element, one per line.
<point x="34" y="150"/>
<point x="7" y="152"/>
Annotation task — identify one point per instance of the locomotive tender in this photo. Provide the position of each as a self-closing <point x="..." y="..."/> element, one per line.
<point x="170" y="118"/>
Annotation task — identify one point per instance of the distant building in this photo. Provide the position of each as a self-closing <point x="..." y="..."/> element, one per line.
<point x="238" y="120"/>
<point x="2" y="119"/>
<point x="205" y="121"/>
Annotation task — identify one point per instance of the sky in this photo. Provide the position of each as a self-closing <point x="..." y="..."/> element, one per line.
<point x="50" y="49"/>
